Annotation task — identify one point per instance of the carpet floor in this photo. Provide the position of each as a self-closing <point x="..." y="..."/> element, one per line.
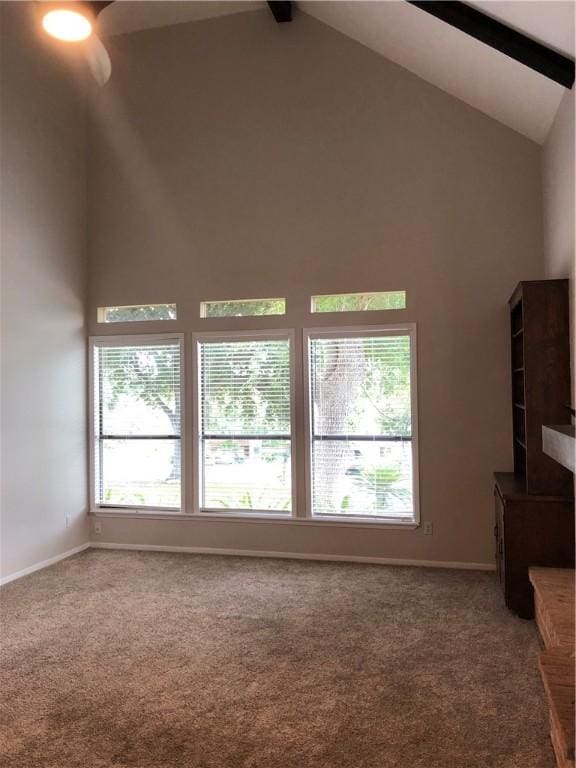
<point x="153" y="660"/>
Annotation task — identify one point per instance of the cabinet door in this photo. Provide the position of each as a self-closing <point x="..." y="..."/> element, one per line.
<point x="538" y="533"/>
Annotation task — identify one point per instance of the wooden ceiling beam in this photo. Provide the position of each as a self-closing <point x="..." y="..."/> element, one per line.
<point x="282" y="10"/>
<point x="98" y="5"/>
<point x="518" y="46"/>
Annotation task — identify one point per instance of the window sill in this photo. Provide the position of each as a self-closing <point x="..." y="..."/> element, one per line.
<point x="386" y="523"/>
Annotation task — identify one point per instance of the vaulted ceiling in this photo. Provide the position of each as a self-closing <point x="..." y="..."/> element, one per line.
<point x="484" y="78"/>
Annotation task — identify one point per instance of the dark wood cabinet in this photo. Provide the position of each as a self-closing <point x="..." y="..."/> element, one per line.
<point x="529" y="530"/>
<point x="534" y="505"/>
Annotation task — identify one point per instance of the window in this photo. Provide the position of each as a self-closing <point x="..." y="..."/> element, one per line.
<point x="137" y="422"/>
<point x="245" y="424"/>
<point x="359" y="302"/>
<point x="243" y="308"/>
<point x="137" y="313"/>
<point x="362" y="423"/>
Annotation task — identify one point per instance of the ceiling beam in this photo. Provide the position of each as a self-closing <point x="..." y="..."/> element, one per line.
<point x="504" y="39"/>
<point x="282" y="10"/>
<point x="98" y="5"/>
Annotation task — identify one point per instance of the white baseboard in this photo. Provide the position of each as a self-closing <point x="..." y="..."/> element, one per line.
<point x="248" y="553"/>
<point x="296" y="556"/>
<point x="43" y="564"/>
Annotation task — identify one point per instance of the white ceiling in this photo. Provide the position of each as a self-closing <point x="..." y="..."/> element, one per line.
<point x="444" y="56"/>
<point x="131" y="15"/>
<point x="549" y="21"/>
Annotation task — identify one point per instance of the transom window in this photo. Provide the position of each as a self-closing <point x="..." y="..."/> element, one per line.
<point x="136" y="313"/>
<point x="359" y="302"/>
<point x="137" y="422"/>
<point x="361" y="403"/>
<point x="243" y="308"/>
<point x="245" y="424"/>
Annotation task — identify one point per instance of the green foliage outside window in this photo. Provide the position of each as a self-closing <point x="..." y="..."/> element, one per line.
<point x="359" y="302"/>
<point x="137" y="313"/>
<point x="243" y="308"/>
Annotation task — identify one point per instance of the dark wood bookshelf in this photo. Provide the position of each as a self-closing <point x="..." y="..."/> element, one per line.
<point x="534" y="518"/>
<point x="540" y="348"/>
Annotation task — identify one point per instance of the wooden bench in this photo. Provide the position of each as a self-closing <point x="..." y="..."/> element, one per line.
<point x="554" y="601"/>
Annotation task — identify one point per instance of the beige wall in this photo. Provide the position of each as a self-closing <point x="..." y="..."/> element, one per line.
<point x="240" y="158"/>
<point x="43" y="246"/>
<point x="559" y="205"/>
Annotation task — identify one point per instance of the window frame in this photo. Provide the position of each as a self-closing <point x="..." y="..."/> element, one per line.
<point x="327" y="332"/>
<point x="232" y="336"/>
<point x="126" y="340"/>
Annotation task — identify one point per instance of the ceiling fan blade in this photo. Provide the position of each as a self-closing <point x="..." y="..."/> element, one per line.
<point x="98" y="60"/>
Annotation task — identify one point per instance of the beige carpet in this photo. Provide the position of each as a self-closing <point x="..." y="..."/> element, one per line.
<point x="152" y="660"/>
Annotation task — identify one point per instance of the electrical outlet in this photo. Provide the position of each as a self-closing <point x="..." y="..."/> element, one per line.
<point x="68" y="521"/>
<point x="97" y="527"/>
<point x="428" y="529"/>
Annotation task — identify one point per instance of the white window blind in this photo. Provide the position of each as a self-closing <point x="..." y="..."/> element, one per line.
<point x="245" y="425"/>
<point x="137" y="424"/>
<point x="361" y="451"/>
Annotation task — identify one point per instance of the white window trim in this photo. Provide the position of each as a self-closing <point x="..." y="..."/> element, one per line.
<point x="248" y="517"/>
<point x="124" y="340"/>
<point x="231" y="336"/>
<point x="396" y="329"/>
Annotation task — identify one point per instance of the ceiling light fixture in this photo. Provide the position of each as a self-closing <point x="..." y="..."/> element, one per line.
<point x="69" y="22"/>
<point x="75" y="21"/>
